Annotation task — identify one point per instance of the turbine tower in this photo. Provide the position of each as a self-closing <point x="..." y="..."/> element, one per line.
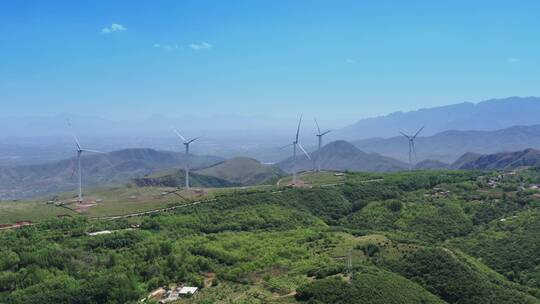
<point x="80" y="151"/>
<point x="319" y="137"/>
<point x="186" y="161"/>
<point x="296" y="144"/>
<point x="412" y="150"/>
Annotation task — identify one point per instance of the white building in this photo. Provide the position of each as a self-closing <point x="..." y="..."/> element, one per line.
<point x="188" y="290"/>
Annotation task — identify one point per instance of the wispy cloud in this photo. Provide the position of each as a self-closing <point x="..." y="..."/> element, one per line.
<point x="201" y="46"/>
<point x="115" y="27"/>
<point x="512" y="60"/>
<point x="167" y="47"/>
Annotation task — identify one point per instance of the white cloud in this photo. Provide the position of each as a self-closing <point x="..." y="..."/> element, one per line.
<point x="167" y="47"/>
<point x="201" y="46"/>
<point x="512" y="60"/>
<point x="115" y="27"/>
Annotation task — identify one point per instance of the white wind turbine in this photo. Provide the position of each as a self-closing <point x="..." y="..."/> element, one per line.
<point x="295" y="144"/>
<point x="412" y="150"/>
<point x="80" y="151"/>
<point x="186" y="161"/>
<point x="319" y="137"/>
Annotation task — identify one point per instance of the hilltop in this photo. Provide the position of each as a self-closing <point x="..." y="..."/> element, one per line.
<point x="341" y="155"/>
<point x="177" y="178"/>
<point x="243" y="170"/>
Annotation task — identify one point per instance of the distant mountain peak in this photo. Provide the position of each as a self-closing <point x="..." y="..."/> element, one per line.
<point x="491" y="114"/>
<point x="342" y="155"/>
<point x="340" y="147"/>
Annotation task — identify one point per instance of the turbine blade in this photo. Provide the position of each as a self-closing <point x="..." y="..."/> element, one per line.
<point x="298" y="129"/>
<point x="318" y="129"/>
<point x="418" y="132"/>
<point x="328" y="131"/>
<point x="304" y="150"/>
<point x="77" y="143"/>
<point x="405" y="135"/>
<point x="192" y="140"/>
<point x="180" y="135"/>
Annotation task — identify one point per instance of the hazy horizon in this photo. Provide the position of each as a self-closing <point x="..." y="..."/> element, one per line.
<point x="226" y="126"/>
<point x="240" y="73"/>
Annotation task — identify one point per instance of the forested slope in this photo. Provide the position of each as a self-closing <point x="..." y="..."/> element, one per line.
<point x="410" y="237"/>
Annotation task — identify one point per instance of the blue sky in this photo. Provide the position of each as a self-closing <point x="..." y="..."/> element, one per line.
<point x="331" y="59"/>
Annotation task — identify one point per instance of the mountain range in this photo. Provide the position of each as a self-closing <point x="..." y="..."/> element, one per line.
<point x="448" y="146"/>
<point x="467" y="135"/>
<point x="147" y="167"/>
<point x="505" y="160"/>
<point x="495" y="161"/>
<point x="34" y="180"/>
<point x="488" y="115"/>
<point x="496" y="125"/>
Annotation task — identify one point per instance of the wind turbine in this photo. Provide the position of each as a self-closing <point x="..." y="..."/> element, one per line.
<point x="186" y="162"/>
<point x="319" y="137"/>
<point x="80" y="151"/>
<point x="412" y="150"/>
<point x="295" y="144"/>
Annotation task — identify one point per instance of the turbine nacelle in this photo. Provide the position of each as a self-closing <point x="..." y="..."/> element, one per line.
<point x="412" y="149"/>
<point x="319" y="134"/>
<point x="324" y="133"/>
<point x="186" y="143"/>
<point x="295" y="144"/>
<point x="80" y="150"/>
<point x="409" y="137"/>
<point x="184" y="140"/>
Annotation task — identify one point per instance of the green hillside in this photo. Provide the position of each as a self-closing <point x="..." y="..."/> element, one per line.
<point x="369" y="285"/>
<point x="408" y="237"/>
<point x="177" y="178"/>
<point x="243" y="170"/>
